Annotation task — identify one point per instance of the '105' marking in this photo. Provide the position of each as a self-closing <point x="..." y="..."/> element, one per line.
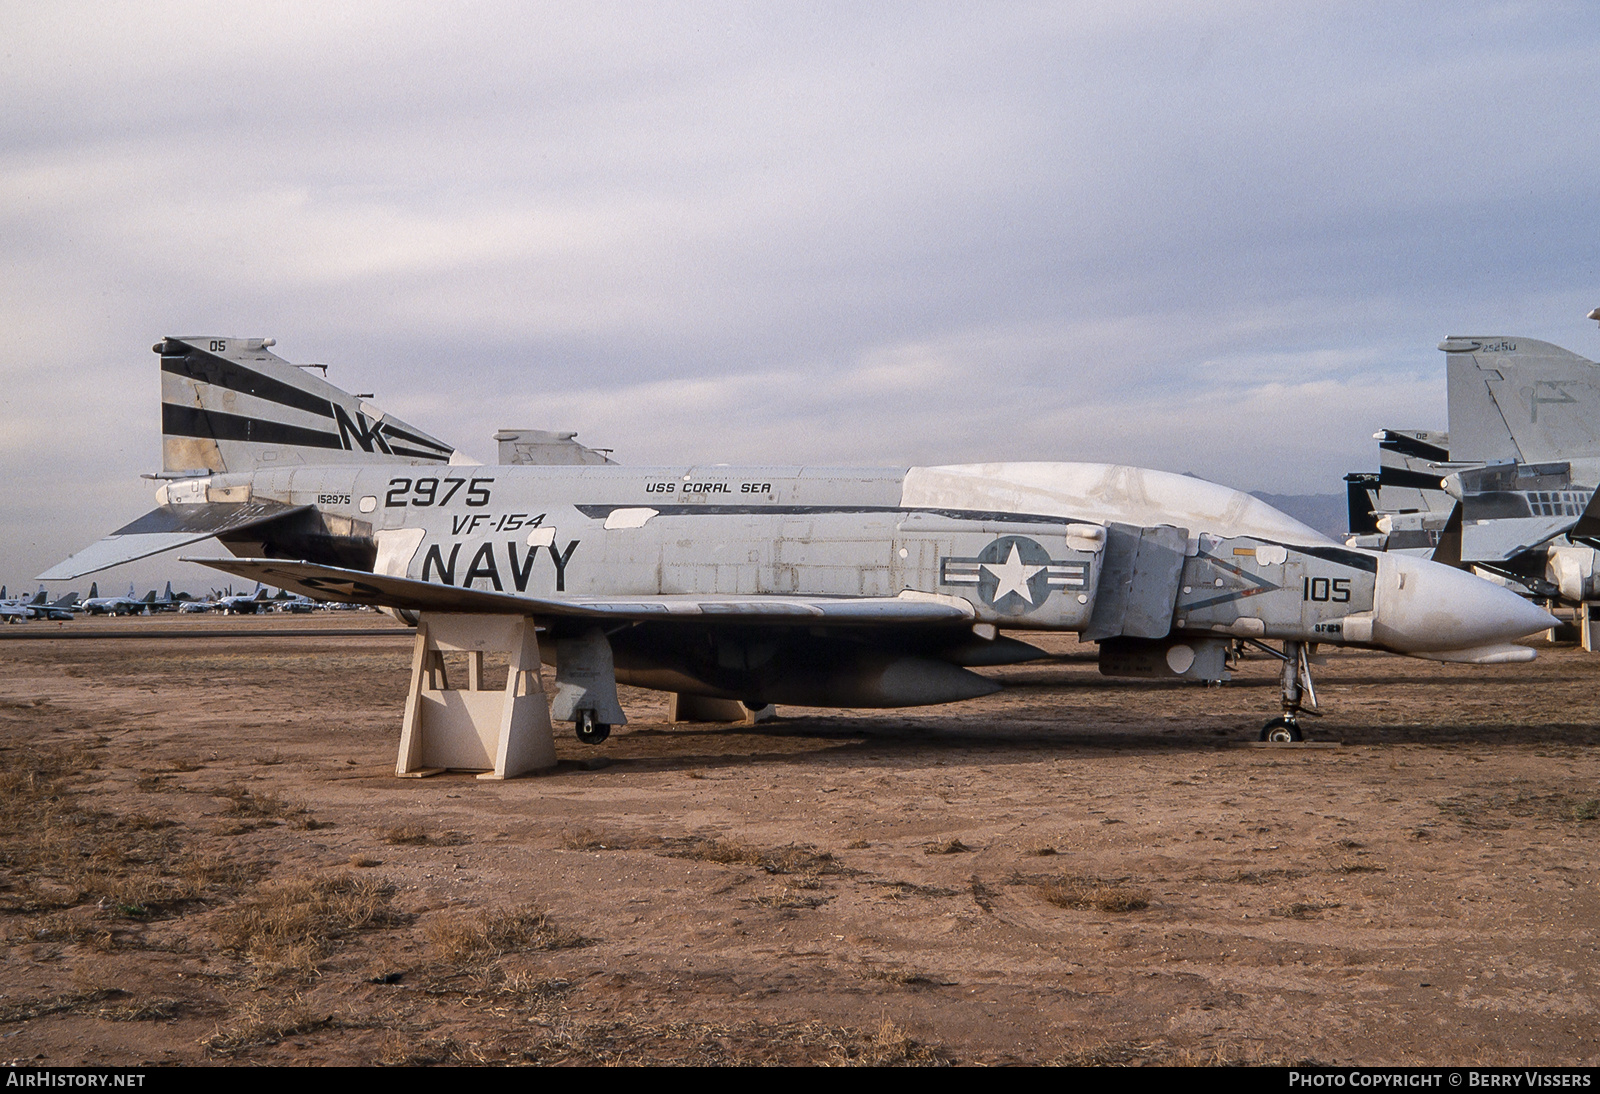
<point x="1322" y="589"/>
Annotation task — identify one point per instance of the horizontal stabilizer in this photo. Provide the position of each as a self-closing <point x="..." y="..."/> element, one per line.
<point x="360" y="587"/>
<point x="164" y="529"/>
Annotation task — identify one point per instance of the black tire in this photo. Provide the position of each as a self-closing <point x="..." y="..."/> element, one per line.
<point x="1282" y="731"/>
<point x="589" y="731"/>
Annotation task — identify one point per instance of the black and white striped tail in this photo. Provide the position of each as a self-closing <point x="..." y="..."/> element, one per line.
<point x="229" y="404"/>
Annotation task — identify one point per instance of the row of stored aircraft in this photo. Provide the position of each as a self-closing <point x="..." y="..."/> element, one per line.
<point x="1508" y="488"/>
<point x="69" y="606"/>
<point x="18" y="609"/>
<point x="827" y="587"/>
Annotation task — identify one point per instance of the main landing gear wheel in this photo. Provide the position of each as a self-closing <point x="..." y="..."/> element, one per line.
<point x="589" y="731"/>
<point x="1282" y="731"/>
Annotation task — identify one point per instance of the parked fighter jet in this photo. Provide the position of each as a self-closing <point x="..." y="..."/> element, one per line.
<point x="63" y="608"/>
<point x="252" y="603"/>
<point x="166" y="602"/>
<point x="1505" y="489"/>
<point x="115" y="605"/>
<point x="286" y="601"/>
<point x="17" y="609"/>
<point x="821" y="587"/>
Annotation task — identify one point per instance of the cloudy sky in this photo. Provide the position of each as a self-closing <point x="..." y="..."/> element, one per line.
<point x="1208" y="237"/>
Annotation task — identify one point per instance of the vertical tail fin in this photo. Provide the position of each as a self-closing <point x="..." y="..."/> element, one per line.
<point x="1361" y="499"/>
<point x="229" y="404"/>
<point x="1520" y="399"/>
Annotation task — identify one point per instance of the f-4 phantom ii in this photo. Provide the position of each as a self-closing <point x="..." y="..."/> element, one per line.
<point x="1509" y="488"/>
<point x="833" y="587"/>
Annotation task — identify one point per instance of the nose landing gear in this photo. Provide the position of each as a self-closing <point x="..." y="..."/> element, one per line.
<point x="1299" y="694"/>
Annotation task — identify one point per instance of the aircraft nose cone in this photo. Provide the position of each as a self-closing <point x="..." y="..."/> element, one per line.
<point x="1424" y="606"/>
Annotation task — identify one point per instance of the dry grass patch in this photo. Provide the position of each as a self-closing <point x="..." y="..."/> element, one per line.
<point x="1117" y="1054"/>
<point x="632" y="1041"/>
<point x="150" y="1010"/>
<point x="243" y="802"/>
<point x="951" y="846"/>
<point x="1257" y="877"/>
<point x="587" y="839"/>
<point x="1357" y="866"/>
<point x="1164" y="1054"/>
<point x="289" y="926"/>
<point x="27" y="1009"/>
<point x="1305" y="909"/>
<point x="490" y="934"/>
<point x="787" y="899"/>
<point x="890" y="1046"/>
<point x="910" y="888"/>
<point x="414" y="835"/>
<point x="906" y="978"/>
<point x="790" y="858"/>
<point x="67" y="927"/>
<point x="1491" y="809"/>
<point x="57" y="853"/>
<point x="93" y="1002"/>
<point x="1586" y="809"/>
<point x="403" y="1051"/>
<point x="265" y="1023"/>
<point x="1093" y="893"/>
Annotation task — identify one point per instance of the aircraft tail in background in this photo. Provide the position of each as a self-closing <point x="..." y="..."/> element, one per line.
<point x="1520" y="399"/>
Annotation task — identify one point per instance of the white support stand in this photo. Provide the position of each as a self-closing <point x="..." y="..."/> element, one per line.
<point x="1586" y="625"/>
<point x="699" y="708"/>
<point x="500" y="733"/>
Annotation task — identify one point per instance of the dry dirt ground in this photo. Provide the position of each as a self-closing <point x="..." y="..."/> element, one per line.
<point x="205" y="857"/>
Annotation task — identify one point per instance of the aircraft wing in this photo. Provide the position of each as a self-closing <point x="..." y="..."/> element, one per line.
<point x="165" y="528"/>
<point x="1498" y="540"/>
<point x="360" y="587"/>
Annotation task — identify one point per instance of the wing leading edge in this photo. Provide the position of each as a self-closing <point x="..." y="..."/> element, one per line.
<point x="381" y="590"/>
<point x="166" y="528"/>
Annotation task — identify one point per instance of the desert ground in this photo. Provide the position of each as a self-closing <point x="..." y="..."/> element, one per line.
<point x="207" y="858"/>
